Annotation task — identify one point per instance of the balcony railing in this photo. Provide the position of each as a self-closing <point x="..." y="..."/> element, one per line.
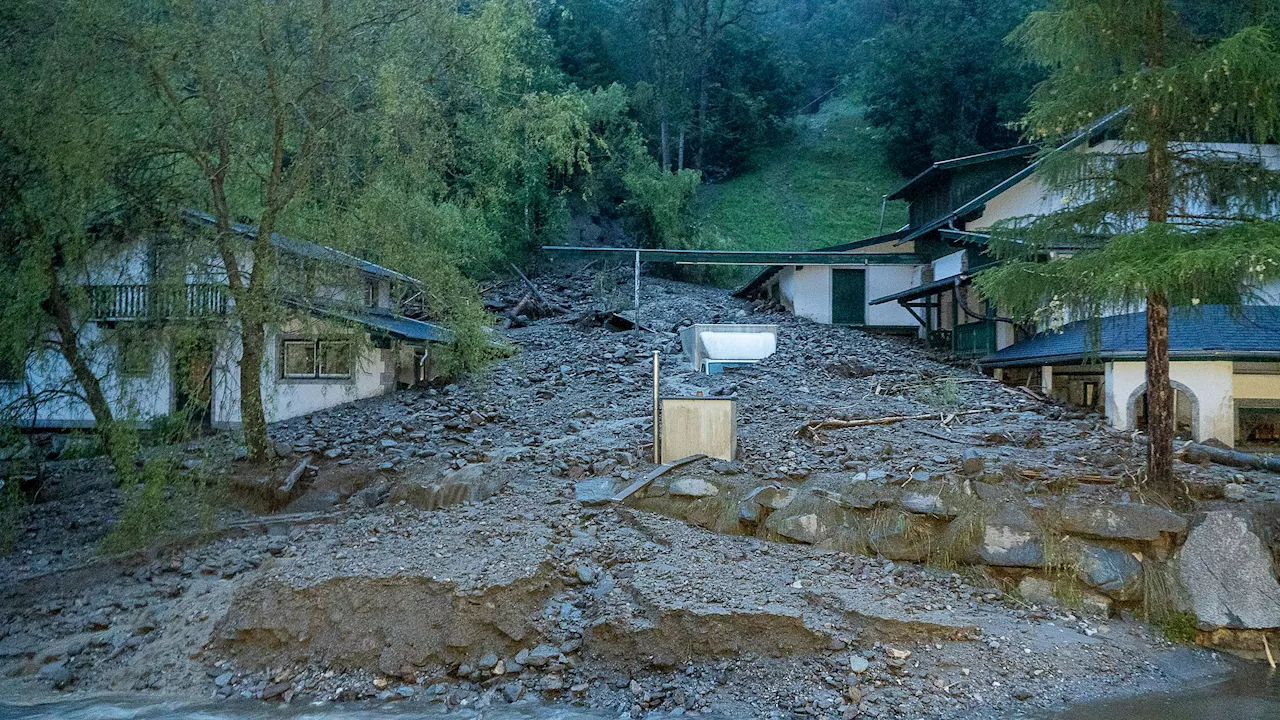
<point x="157" y="302"/>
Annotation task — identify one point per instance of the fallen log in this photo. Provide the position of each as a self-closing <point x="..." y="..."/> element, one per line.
<point x="1197" y="452"/>
<point x="551" y="307"/>
<point x="291" y="480"/>
<point x="815" y="425"/>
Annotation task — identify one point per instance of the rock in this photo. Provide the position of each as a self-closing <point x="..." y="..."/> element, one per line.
<point x="748" y="512"/>
<point x="97" y="621"/>
<point x="1037" y="591"/>
<point x="1235" y="492"/>
<point x="1115" y="573"/>
<point x="858" y="664"/>
<point x="593" y="491"/>
<point x="692" y="487"/>
<point x="471" y="483"/>
<point x="488" y="661"/>
<point x="727" y="467"/>
<point x="541" y="655"/>
<point x="56" y="674"/>
<point x="972" y="462"/>
<point x="927" y="503"/>
<point x="387" y="443"/>
<point x="801" y="528"/>
<point x="1227" y="573"/>
<point x="1011" y="539"/>
<point x="372" y="496"/>
<point x="275" y="690"/>
<point x="283" y="449"/>
<point x="586" y="575"/>
<point x="773" y="497"/>
<point x="511" y="692"/>
<point x="223" y="680"/>
<point x="1122" y="521"/>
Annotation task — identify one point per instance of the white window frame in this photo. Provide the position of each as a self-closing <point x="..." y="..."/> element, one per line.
<point x="315" y="345"/>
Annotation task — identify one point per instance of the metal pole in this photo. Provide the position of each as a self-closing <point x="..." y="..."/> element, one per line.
<point x="637" y="297"/>
<point x="657" y="457"/>
<point x="884" y="200"/>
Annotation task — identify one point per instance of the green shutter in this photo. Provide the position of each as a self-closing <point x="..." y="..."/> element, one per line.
<point x="849" y="297"/>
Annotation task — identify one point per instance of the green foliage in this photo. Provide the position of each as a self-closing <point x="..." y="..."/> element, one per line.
<point x="664" y="204"/>
<point x="1180" y="628"/>
<point x="162" y="503"/>
<point x="944" y="394"/>
<point x="822" y="188"/>
<point x="940" y="82"/>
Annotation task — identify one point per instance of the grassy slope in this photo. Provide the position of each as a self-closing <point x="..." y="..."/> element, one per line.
<point x="821" y="188"/>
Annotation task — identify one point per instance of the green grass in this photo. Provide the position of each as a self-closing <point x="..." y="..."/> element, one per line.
<point x="822" y="188"/>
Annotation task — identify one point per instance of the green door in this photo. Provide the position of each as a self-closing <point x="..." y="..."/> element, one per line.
<point x="849" y="297"/>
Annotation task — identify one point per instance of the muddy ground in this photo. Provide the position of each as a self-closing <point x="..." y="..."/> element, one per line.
<point x="376" y="582"/>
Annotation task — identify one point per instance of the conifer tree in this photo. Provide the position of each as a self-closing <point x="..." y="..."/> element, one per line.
<point x="1157" y="215"/>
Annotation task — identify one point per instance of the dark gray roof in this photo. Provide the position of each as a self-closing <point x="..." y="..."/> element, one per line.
<point x="1212" y="331"/>
<point x="307" y="249"/>
<point x="954" y="163"/>
<point x="383" y="323"/>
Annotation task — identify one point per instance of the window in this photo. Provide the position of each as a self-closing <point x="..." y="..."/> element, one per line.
<point x="371" y="293"/>
<point x="133" y="357"/>
<point x="317" y="359"/>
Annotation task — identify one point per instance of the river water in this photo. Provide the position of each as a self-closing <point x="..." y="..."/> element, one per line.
<point x="1251" y="693"/>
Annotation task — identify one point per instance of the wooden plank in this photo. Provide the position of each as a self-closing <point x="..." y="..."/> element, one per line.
<point x="654" y="474"/>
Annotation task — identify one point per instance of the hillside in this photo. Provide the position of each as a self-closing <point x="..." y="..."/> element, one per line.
<point x="822" y="188"/>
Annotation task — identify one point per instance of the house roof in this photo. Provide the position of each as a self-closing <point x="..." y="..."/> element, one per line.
<point x="306" y="249"/>
<point x="942" y="166"/>
<point x="931" y="288"/>
<point x="975" y="204"/>
<point x="764" y="277"/>
<point x="1212" y="331"/>
<point x="384" y="323"/>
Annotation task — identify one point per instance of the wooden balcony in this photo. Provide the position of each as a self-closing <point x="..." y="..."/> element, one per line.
<point x="157" y="302"/>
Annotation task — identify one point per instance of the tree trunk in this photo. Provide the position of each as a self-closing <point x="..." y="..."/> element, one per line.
<point x="680" y="155"/>
<point x="253" y="419"/>
<point x="703" y="101"/>
<point x="113" y="440"/>
<point x="666" y="145"/>
<point x="1160" y="415"/>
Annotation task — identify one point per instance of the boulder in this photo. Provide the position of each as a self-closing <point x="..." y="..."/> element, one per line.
<point x="1228" y="575"/>
<point x="692" y="487"/>
<point x="927" y="503"/>
<point x="1122" y="521"/>
<point x="1038" y="591"/>
<point x="593" y="491"/>
<point x="1115" y="573"/>
<point x="1011" y="539"/>
<point x="471" y="483"/>
<point x="972" y="462"/>
<point x="773" y="497"/>
<point x="801" y="528"/>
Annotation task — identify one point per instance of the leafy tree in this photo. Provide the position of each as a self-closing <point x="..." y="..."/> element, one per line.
<point x="942" y="83"/>
<point x="62" y="158"/>
<point x="1154" y="219"/>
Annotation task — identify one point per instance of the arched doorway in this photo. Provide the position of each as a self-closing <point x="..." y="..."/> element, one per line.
<point x="1186" y="411"/>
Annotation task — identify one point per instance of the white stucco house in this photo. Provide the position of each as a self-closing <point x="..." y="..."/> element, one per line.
<point x="158" y="330"/>
<point x="1225" y="364"/>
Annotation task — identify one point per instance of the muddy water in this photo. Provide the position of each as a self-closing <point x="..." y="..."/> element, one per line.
<point x="1252" y="693"/>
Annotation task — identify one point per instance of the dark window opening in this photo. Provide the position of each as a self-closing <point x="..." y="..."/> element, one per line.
<point x="317" y="359"/>
<point x="1258" y="428"/>
<point x="1183" y="419"/>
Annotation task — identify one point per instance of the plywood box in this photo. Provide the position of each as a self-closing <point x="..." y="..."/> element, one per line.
<point x="699" y="425"/>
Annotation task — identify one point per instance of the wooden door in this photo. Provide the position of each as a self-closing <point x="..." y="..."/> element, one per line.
<point x="849" y="297"/>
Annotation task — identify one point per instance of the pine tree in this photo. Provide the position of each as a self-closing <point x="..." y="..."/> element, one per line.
<point x="1149" y="218"/>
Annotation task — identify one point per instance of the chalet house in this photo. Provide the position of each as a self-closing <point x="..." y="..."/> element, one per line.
<point x="1225" y="365"/>
<point x="160" y="333"/>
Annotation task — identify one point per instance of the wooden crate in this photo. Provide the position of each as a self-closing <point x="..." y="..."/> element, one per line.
<point x="699" y="425"/>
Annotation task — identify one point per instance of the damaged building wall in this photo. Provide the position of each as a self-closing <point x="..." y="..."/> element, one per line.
<point x="806" y="291"/>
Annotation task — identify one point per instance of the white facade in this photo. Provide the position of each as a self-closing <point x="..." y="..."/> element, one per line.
<point x="140" y="371"/>
<point x="806" y="290"/>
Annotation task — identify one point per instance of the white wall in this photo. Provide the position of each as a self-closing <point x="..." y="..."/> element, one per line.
<point x="1211" y="382"/>
<point x="375" y="373"/>
<point x="807" y="291"/>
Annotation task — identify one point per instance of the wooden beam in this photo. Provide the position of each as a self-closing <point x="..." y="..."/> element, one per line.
<point x="739" y="257"/>
<point x="654" y="474"/>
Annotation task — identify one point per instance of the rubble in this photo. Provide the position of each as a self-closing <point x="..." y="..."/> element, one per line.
<point x="462" y="546"/>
